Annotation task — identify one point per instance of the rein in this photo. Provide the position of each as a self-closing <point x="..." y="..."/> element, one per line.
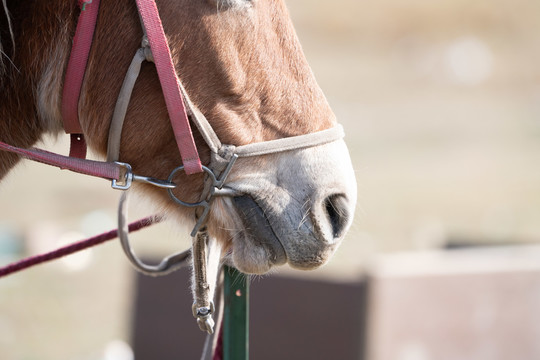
<point x="206" y="251"/>
<point x="73" y="248"/>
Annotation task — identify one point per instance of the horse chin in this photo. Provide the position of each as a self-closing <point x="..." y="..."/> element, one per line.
<point x="265" y="242"/>
<point x="257" y="248"/>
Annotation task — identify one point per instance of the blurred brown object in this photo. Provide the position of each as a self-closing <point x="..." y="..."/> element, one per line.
<point x="290" y="319"/>
<point x="476" y="303"/>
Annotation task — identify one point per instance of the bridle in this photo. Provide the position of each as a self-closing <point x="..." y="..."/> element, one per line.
<point x="154" y="48"/>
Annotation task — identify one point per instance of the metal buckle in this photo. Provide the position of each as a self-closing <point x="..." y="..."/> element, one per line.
<point x="130" y="177"/>
<point x="203" y="315"/>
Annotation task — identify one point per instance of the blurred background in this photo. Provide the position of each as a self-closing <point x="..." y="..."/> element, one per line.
<point x="441" y="105"/>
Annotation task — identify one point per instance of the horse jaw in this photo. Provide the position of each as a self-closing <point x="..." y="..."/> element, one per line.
<point x="307" y="198"/>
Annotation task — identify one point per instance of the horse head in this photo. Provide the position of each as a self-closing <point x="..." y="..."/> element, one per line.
<point x="242" y="66"/>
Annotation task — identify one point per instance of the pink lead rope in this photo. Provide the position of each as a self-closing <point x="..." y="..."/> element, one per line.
<point x="73" y="248"/>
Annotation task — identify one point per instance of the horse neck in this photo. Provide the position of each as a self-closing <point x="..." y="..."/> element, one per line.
<point x="32" y="81"/>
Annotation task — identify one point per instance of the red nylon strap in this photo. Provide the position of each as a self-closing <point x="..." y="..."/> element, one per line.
<point x="82" y="42"/>
<point x="100" y="169"/>
<point x="170" y="86"/>
<point x="77" y="148"/>
<point x="73" y="248"/>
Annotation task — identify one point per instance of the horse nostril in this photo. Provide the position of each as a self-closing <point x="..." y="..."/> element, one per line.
<point x="337" y="213"/>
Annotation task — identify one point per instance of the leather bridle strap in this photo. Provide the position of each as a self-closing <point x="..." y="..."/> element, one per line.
<point x="291" y="143"/>
<point x="170" y="85"/>
<point x="122" y="103"/>
<point x="106" y="170"/>
<point x="78" y="58"/>
<point x="119" y="173"/>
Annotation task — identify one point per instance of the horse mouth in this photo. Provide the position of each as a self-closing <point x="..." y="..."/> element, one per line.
<point x="258" y="228"/>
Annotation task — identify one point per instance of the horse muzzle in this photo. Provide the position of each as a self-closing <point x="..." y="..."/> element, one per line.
<point x="297" y="213"/>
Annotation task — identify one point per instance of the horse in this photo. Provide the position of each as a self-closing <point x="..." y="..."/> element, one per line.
<point x="242" y="65"/>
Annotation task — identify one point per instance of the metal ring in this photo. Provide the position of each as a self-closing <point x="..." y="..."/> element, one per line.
<point x="200" y="203"/>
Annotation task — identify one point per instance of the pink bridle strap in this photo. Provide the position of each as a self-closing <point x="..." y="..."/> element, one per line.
<point x="170" y="85"/>
<point x="82" y="42"/>
<point x="105" y="170"/>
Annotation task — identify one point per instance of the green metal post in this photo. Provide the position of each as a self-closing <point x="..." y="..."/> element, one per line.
<point x="236" y="316"/>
